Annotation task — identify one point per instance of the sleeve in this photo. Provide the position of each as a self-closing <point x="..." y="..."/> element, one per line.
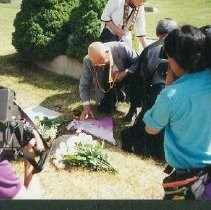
<point x="132" y="58"/>
<point x="85" y="81"/>
<point x="10" y="184"/>
<point x="159" y="115"/>
<point x="140" y="22"/>
<point x="143" y="67"/>
<point x="134" y="65"/>
<point x="109" y="9"/>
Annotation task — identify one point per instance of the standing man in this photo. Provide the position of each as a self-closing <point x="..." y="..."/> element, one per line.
<point x="150" y="62"/>
<point x="107" y="64"/>
<point x="119" y="18"/>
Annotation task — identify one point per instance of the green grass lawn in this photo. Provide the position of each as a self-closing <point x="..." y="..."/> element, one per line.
<point x="138" y="178"/>
<point x="195" y="12"/>
<point x="7" y="14"/>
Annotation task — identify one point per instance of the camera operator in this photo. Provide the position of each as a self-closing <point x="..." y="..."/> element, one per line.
<point x="10" y="185"/>
<point x="17" y="132"/>
<point x="35" y="142"/>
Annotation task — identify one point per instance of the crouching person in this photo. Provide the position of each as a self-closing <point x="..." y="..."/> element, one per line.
<point x="110" y="66"/>
<point x="182" y="109"/>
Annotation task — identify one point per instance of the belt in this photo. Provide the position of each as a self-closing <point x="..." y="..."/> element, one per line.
<point x="169" y="169"/>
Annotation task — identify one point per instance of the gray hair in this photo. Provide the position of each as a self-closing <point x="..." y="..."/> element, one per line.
<point x="165" y="25"/>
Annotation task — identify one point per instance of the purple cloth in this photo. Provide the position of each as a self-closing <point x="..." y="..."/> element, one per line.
<point x="10" y="184"/>
<point x="102" y="128"/>
<point x="207" y="192"/>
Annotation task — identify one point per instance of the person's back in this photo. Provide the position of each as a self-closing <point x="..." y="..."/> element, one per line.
<point x="182" y="110"/>
<point x="189" y="99"/>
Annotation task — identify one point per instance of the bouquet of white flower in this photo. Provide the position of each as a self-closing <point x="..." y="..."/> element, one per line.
<point x="82" y="150"/>
<point x="47" y="128"/>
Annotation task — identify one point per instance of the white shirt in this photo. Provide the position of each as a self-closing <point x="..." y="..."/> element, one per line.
<point x="114" y="10"/>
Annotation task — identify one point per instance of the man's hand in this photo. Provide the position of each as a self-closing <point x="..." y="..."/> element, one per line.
<point x="143" y="41"/>
<point x="119" y="76"/>
<point x="117" y="30"/>
<point x="39" y="143"/>
<point x="151" y="131"/>
<point x="87" y="113"/>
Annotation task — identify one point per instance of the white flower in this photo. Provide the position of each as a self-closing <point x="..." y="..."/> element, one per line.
<point x="61" y="165"/>
<point x="78" y="131"/>
<point x="63" y="148"/>
<point x="58" y="154"/>
<point x="89" y="138"/>
<point x="71" y="149"/>
<point x="85" y="138"/>
<point x="58" y="164"/>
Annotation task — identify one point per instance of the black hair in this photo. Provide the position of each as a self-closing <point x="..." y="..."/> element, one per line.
<point x="186" y="45"/>
<point x="207" y="31"/>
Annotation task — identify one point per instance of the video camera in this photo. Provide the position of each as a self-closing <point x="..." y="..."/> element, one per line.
<point x="14" y="136"/>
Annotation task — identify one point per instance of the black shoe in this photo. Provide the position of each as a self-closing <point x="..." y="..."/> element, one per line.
<point x="132" y="114"/>
<point x="127" y="149"/>
<point x="120" y="95"/>
<point x="106" y="109"/>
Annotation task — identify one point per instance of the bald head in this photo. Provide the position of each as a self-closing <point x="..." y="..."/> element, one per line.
<point x="97" y="53"/>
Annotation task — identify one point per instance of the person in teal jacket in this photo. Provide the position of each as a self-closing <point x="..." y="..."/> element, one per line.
<point x="182" y="109"/>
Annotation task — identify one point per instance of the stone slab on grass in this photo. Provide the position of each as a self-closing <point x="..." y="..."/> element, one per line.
<point x="41" y="112"/>
<point x="63" y="65"/>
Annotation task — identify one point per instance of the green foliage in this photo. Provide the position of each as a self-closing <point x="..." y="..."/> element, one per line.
<point x="89" y="156"/>
<point x="84" y="26"/>
<point x="41" y="28"/>
<point x="48" y="128"/>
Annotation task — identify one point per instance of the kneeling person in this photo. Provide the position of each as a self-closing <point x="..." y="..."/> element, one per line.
<point x="108" y="65"/>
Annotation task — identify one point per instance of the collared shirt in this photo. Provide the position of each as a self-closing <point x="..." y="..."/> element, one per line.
<point x="184" y="110"/>
<point x="114" y="10"/>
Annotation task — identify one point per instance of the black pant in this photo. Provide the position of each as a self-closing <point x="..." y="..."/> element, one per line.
<point x="135" y="139"/>
<point x="134" y="85"/>
<point x="107" y="36"/>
